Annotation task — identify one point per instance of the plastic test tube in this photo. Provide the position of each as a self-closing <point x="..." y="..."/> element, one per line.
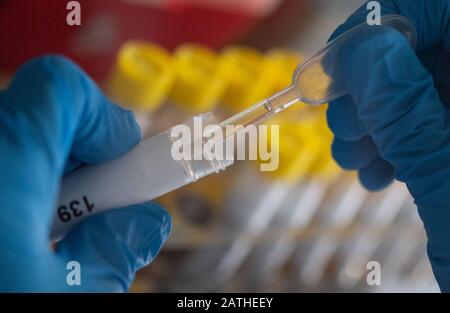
<point x="343" y="214"/>
<point x="382" y="215"/>
<point x="144" y="173"/>
<point x="274" y="195"/>
<point x="303" y="207"/>
<point x="148" y="170"/>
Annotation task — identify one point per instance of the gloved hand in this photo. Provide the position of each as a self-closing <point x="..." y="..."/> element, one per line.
<point x="395" y="121"/>
<point x="53" y="118"/>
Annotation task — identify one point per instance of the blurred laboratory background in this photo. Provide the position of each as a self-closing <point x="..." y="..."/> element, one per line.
<point x="309" y="226"/>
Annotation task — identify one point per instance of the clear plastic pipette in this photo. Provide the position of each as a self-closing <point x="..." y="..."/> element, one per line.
<point x="313" y="83"/>
<point x="148" y="170"/>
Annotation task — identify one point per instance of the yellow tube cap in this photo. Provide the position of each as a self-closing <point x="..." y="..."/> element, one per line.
<point x="200" y="81"/>
<point x="250" y="78"/>
<point x="283" y="63"/>
<point x="305" y="147"/>
<point x="297" y="146"/>
<point x="142" y="76"/>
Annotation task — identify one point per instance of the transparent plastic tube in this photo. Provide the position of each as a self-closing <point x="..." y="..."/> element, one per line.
<point x="144" y="173"/>
<point x="313" y="81"/>
<point x="317" y="82"/>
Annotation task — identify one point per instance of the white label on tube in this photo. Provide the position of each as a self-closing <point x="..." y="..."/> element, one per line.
<point x="144" y="173"/>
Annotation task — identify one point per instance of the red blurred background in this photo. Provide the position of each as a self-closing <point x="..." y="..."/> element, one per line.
<point x="35" y="27"/>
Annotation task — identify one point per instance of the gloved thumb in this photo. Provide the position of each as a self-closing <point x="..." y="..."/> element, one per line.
<point x="399" y="106"/>
<point x="110" y="247"/>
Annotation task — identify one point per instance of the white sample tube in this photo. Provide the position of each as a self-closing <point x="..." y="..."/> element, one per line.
<point x="147" y="171"/>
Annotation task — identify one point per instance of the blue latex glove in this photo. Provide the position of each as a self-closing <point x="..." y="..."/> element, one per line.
<point x="53" y="118"/>
<point x="395" y="121"/>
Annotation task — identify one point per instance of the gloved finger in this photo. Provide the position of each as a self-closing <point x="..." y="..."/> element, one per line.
<point x="354" y="155"/>
<point x="430" y="19"/>
<point x="50" y="111"/>
<point x="105" y="131"/>
<point x="74" y="114"/>
<point x="377" y="175"/>
<point x="343" y="120"/>
<point x="110" y="247"/>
